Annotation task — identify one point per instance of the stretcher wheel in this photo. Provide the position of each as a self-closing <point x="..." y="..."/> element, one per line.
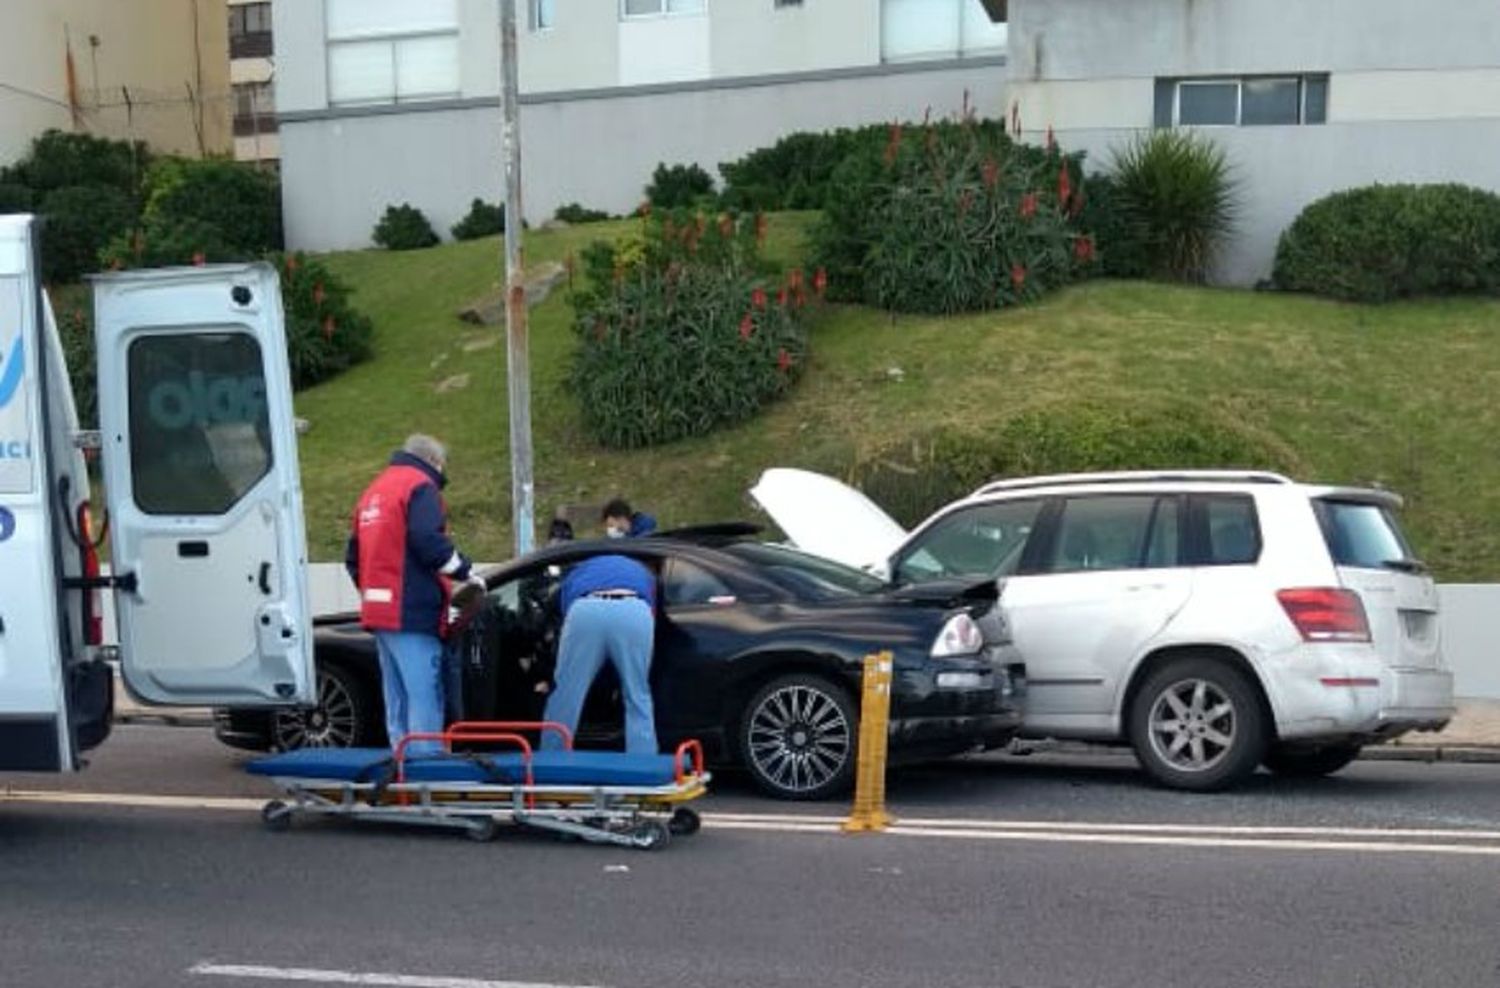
<point x="651" y="835"/>
<point x="483" y="831"/>
<point x="276" y="815"/>
<point x="684" y="822"/>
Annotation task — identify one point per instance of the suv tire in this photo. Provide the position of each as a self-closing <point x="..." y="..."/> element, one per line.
<point x="798" y="737"/>
<point x="1310" y="762"/>
<point x="1197" y="724"/>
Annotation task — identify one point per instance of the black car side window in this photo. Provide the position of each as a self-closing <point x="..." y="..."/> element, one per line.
<point x="688" y="585"/>
<point x="985" y="540"/>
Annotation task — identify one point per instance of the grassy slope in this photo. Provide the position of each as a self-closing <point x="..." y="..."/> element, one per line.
<point x="1408" y="395"/>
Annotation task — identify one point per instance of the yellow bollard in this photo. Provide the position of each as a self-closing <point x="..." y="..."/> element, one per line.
<point x="869" y="813"/>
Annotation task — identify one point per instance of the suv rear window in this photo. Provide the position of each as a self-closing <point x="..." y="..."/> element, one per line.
<point x="1364" y="536"/>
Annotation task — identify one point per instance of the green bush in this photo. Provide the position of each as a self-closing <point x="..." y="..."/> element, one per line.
<point x="483" y="220"/>
<point x="1175" y="200"/>
<point x="325" y="333"/>
<point x="1382" y="242"/>
<point x="404" y="227"/>
<point x="679" y="186"/>
<point x="915" y="478"/>
<point x="952" y="217"/>
<point x="81" y="220"/>
<point x="59" y="160"/>
<point x="75" y="328"/>
<point x="678" y="332"/>
<point x="794" y="173"/>
<point x="16" y="198"/>
<point x="1121" y="253"/>
<point x="577" y="214"/>
<point x="186" y="197"/>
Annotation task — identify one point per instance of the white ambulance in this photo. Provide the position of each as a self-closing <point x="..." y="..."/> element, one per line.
<point x="202" y="505"/>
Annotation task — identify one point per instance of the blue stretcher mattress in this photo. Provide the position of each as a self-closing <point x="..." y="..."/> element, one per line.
<point x="548" y="768"/>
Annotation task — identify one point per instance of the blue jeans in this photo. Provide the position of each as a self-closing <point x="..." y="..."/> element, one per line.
<point x="596" y="630"/>
<point x="412" y="669"/>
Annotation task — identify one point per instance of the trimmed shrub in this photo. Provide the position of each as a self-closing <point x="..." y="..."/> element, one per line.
<point x="483" y="220"/>
<point x="81" y="220"/>
<point x="59" y="160"/>
<point x="679" y="186"/>
<point x="679" y="334"/>
<point x="1121" y="254"/>
<point x="325" y="333"/>
<point x="404" y="227"/>
<point x="1383" y="242"/>
<point x="952" y="217"/>
<point x="1175" y="201"/>
<point x="794" y="173"/>
<point x="917" y="477"/>
<point x="576" y="214"/>
<point x="185" y="197"/>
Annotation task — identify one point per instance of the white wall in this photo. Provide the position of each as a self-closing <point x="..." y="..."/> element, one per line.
<point x="1471" y="637"/>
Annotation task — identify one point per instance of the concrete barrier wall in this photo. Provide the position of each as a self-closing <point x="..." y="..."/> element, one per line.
<point x="1470" y="626"/>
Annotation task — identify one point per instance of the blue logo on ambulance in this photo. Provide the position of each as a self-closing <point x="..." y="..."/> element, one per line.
<point x="7" y="524"/>
<point x="11" y="371"/>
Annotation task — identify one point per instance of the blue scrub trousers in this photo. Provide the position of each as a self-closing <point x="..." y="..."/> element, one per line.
<point x="412" y="670"/>
<point x="597" y="630"/>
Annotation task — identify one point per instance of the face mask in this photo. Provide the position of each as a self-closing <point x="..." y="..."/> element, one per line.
<point x="614" y="533"/>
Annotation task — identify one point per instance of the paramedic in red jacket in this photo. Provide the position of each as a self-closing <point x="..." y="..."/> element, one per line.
<point x="402" y="561"/>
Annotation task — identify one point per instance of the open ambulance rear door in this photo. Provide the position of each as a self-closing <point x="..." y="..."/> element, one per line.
<point x="205" y="502"/>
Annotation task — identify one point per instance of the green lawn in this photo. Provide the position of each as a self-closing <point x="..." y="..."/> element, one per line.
<point x="1407" y="395"/>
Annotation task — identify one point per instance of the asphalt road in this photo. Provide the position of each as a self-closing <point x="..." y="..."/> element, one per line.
<point x="1001" y="873"/>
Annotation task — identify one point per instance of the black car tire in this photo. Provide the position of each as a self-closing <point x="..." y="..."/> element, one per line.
<point x="1305" y="762"/>
<point x="798" y="737"/>
<point x="1197" y="724"/>
<point x="345" y="716"/>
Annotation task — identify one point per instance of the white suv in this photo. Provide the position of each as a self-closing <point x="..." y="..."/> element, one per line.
<point x="1214" y="620"/>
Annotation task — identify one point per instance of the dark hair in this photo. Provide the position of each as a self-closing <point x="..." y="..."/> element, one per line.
<point x="618" y="508"/>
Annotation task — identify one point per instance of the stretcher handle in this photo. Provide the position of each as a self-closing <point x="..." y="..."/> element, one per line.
<point x="448" y="738"/>
<point x="689" y="760"/>
<point x="463" y="727"/>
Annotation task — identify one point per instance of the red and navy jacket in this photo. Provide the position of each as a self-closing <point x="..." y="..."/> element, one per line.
<point x="399" y="554"/>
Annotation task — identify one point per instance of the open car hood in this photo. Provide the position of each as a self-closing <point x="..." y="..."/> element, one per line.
<point x="828" y="518"/>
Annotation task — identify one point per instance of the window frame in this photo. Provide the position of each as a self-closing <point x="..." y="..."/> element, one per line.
<point x="663" y="12"/>
<point x="1303" y="81"/>
<point x="535" y="8"/>
<point x="1199" y="543"/>
<point x="392" y="38"/>
<point x="1041" y="560"/>
<point x="961" y="48"/>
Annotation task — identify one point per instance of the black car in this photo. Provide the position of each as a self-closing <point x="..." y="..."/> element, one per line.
<point x="759" y="653"/>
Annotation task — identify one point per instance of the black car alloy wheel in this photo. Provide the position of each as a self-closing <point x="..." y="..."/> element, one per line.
<point x="797" y="737"/>
<point x="340" y="719"/>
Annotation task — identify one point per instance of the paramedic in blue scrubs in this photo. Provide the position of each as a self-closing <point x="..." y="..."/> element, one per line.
<point x="609" y="606"/>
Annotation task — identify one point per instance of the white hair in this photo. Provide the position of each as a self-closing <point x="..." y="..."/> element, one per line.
<point x="426" y="449"/>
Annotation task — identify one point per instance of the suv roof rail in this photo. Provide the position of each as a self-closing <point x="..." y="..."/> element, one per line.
<point x="1135" y="477"/>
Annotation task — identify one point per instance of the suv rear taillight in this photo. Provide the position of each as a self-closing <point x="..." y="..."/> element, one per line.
<point x="1326" y="614"/>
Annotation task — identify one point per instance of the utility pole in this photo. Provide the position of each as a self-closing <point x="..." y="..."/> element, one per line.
<point x="518" y="370"/>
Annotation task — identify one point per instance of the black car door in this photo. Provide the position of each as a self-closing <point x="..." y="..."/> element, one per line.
<point x="701" y="624"/>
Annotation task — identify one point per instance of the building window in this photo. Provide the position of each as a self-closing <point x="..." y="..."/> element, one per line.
<point x="250" y="31"/>
<point x="390" y="51"/>
<point x="254" y="109"/>
<point x="543" y="15"/>
<point x="917" y="29"/>
<point x="659" y="8"/>
<point x="1252" y="101"/>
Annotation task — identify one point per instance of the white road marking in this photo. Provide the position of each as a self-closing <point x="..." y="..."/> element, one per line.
<point x="1479" y="843"/>
<point x="306" y="974"/>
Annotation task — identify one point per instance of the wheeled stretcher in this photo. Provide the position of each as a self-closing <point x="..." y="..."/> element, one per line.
<point x="604" y="797"/>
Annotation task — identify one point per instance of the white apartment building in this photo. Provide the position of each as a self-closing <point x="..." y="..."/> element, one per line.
<point x="386" y="101"/>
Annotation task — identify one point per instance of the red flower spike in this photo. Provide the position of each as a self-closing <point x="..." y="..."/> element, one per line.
<point x="758" y="298"/>
<point x="198" y="259"/>
<point x="291" y="263"/>
<point x="747" y="327"/>
<point x="319" y="294"/>
<point x="760" y="228"/>
<point x="329" y="325"/>
<point x="1064" y="185"/>
<point x="783" y="361"/>
<point x="1083" y="249"/>
<point x="1051" y="139"/>
<point x="893" y="144"/>
<point x="1028" y="205"/>
<point x="991" y="173"/>
<point x="820" y="282"/>
<point x="1018" y="276"/>
<point x="794" y="279"/>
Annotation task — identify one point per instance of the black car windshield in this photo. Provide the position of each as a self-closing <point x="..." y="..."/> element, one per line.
<point x="805" y="574"/>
